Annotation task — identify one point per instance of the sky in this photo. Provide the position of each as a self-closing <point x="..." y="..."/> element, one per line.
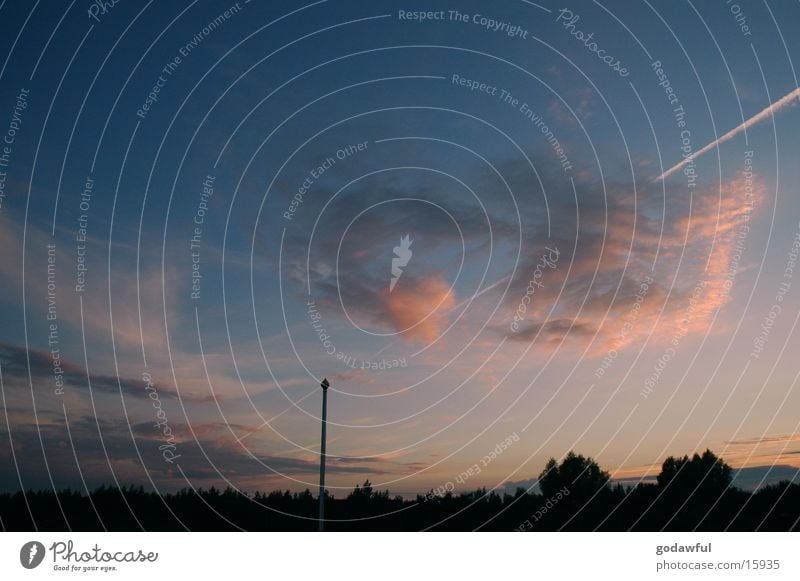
<point x="501" y="231"/>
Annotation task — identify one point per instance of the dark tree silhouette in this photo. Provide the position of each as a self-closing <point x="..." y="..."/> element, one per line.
<point x="707" y="472"/>
<point x="581" y="476"/>
<point x="364" y="493"/>
<point x="576" y="494"/>
<point x="695" y="492"/>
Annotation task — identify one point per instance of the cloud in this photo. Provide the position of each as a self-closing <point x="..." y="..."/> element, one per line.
<point x="349" y="262"/>
<point x="685" y="249"/>
<point x="553" y="330"/>
<point x="205" y="462"/>
<point x="787" y="438"/>
<point x="15" y="364"/>
<point x="626" y="271"/>
<point x="415" y="310"/>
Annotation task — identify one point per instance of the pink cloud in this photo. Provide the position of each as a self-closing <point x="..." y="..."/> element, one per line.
<point x="417" y="310"/>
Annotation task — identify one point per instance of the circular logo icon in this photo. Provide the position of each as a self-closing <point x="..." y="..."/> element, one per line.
<point x="31" y="554"/>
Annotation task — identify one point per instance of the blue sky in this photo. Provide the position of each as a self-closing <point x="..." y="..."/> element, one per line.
<point x="429" y="377"/>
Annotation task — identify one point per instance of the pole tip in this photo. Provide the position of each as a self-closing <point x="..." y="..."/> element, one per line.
<point x="325" y="383"/>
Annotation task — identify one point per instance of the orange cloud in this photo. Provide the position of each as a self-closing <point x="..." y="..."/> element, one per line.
<point x="774" y="449"/>
<point x="717" y="234"/>
<point x="701" y="250"/>
<point x="417" y="310"/>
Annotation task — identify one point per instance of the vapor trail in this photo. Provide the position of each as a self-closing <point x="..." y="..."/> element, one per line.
<point x="772" y="109"/>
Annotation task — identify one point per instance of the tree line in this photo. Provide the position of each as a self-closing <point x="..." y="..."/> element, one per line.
<point x="573" y="495"/>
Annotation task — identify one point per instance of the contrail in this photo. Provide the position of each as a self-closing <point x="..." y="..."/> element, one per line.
<point x="772" y="109"/>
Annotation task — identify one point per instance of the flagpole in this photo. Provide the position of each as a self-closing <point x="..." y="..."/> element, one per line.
<point x="324" y="385"/>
